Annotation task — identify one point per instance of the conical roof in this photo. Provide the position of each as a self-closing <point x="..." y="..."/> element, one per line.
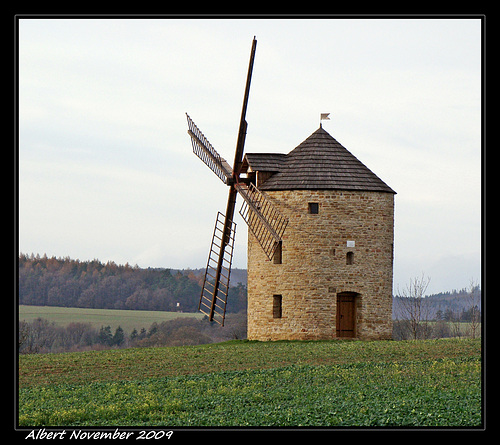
<point x="320" y="162"/>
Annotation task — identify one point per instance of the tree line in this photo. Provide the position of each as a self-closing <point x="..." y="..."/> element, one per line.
<point x="43" y="336"/>
<point x="45" y="281"/>
<point x="416" y="317"/>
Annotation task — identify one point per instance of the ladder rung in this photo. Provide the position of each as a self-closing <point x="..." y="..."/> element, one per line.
<point x="209" y="275"/>
<point x="207" y="306"/>
<point x="206" y="297"/>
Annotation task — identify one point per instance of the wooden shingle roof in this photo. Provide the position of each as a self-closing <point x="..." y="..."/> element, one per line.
<point x="267" y="162"/>
<point x="320" y="162"/>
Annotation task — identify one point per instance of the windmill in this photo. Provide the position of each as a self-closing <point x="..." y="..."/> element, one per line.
<point x="262" y="218"/>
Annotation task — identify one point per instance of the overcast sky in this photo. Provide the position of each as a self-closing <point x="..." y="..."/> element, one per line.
<point x="106" y="168"/>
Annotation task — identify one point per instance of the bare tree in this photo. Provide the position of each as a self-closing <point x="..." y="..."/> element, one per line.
<point x="414" y="308"/>
<point x="456" y="323"/>
<point x="474" y="300"/>
<point x="24" y="335"/>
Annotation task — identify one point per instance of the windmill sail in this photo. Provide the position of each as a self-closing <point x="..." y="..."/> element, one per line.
<point x="266" y="223"/>
<point x="204" y="150"/>
<point x="221" y="251"/>
<point x="216" y="282"/>
<point x="263" y="219"/>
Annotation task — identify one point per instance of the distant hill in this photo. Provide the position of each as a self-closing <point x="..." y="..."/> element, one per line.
<point x="455" y="301"/>
<point x="237" y="275"/>
<point x="93" y="284"/>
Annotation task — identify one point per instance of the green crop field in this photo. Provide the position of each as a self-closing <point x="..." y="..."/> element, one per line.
<point x="241" y="383"/>
<point x="128" y="320"/>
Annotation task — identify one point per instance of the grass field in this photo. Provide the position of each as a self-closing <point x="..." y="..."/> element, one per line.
<point x="240" y="383"/>
<point x="128" y="320"/>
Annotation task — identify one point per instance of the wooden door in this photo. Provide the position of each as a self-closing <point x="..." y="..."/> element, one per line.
<point x="346" y="314"/>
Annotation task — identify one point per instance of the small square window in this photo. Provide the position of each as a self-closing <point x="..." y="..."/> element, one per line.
<point x="313" y="208"/>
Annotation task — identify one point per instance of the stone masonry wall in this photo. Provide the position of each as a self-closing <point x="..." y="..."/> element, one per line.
<point x="314" y="269"/>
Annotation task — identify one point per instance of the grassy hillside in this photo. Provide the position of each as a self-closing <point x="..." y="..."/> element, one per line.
<point x="127" y="319"/>
<point x="241" y="383"/>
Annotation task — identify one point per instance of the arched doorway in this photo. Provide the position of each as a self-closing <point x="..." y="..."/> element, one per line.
<point x="346" y="314"/>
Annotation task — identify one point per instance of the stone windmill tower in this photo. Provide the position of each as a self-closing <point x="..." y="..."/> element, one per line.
<point x="320" y="243"/>
<point x="331" y="274"/>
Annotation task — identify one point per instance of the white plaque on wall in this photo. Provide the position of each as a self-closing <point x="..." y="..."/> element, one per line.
<point x="351" y="243"/>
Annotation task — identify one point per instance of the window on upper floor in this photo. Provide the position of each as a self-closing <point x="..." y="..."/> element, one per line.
<point x="313" y="208"/>
<point x="349" y="258"/>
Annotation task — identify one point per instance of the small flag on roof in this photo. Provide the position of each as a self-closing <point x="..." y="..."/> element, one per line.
<point x="324" y="117"/>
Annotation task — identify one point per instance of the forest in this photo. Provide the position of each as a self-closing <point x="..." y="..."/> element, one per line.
<point x="45" y="281"/>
